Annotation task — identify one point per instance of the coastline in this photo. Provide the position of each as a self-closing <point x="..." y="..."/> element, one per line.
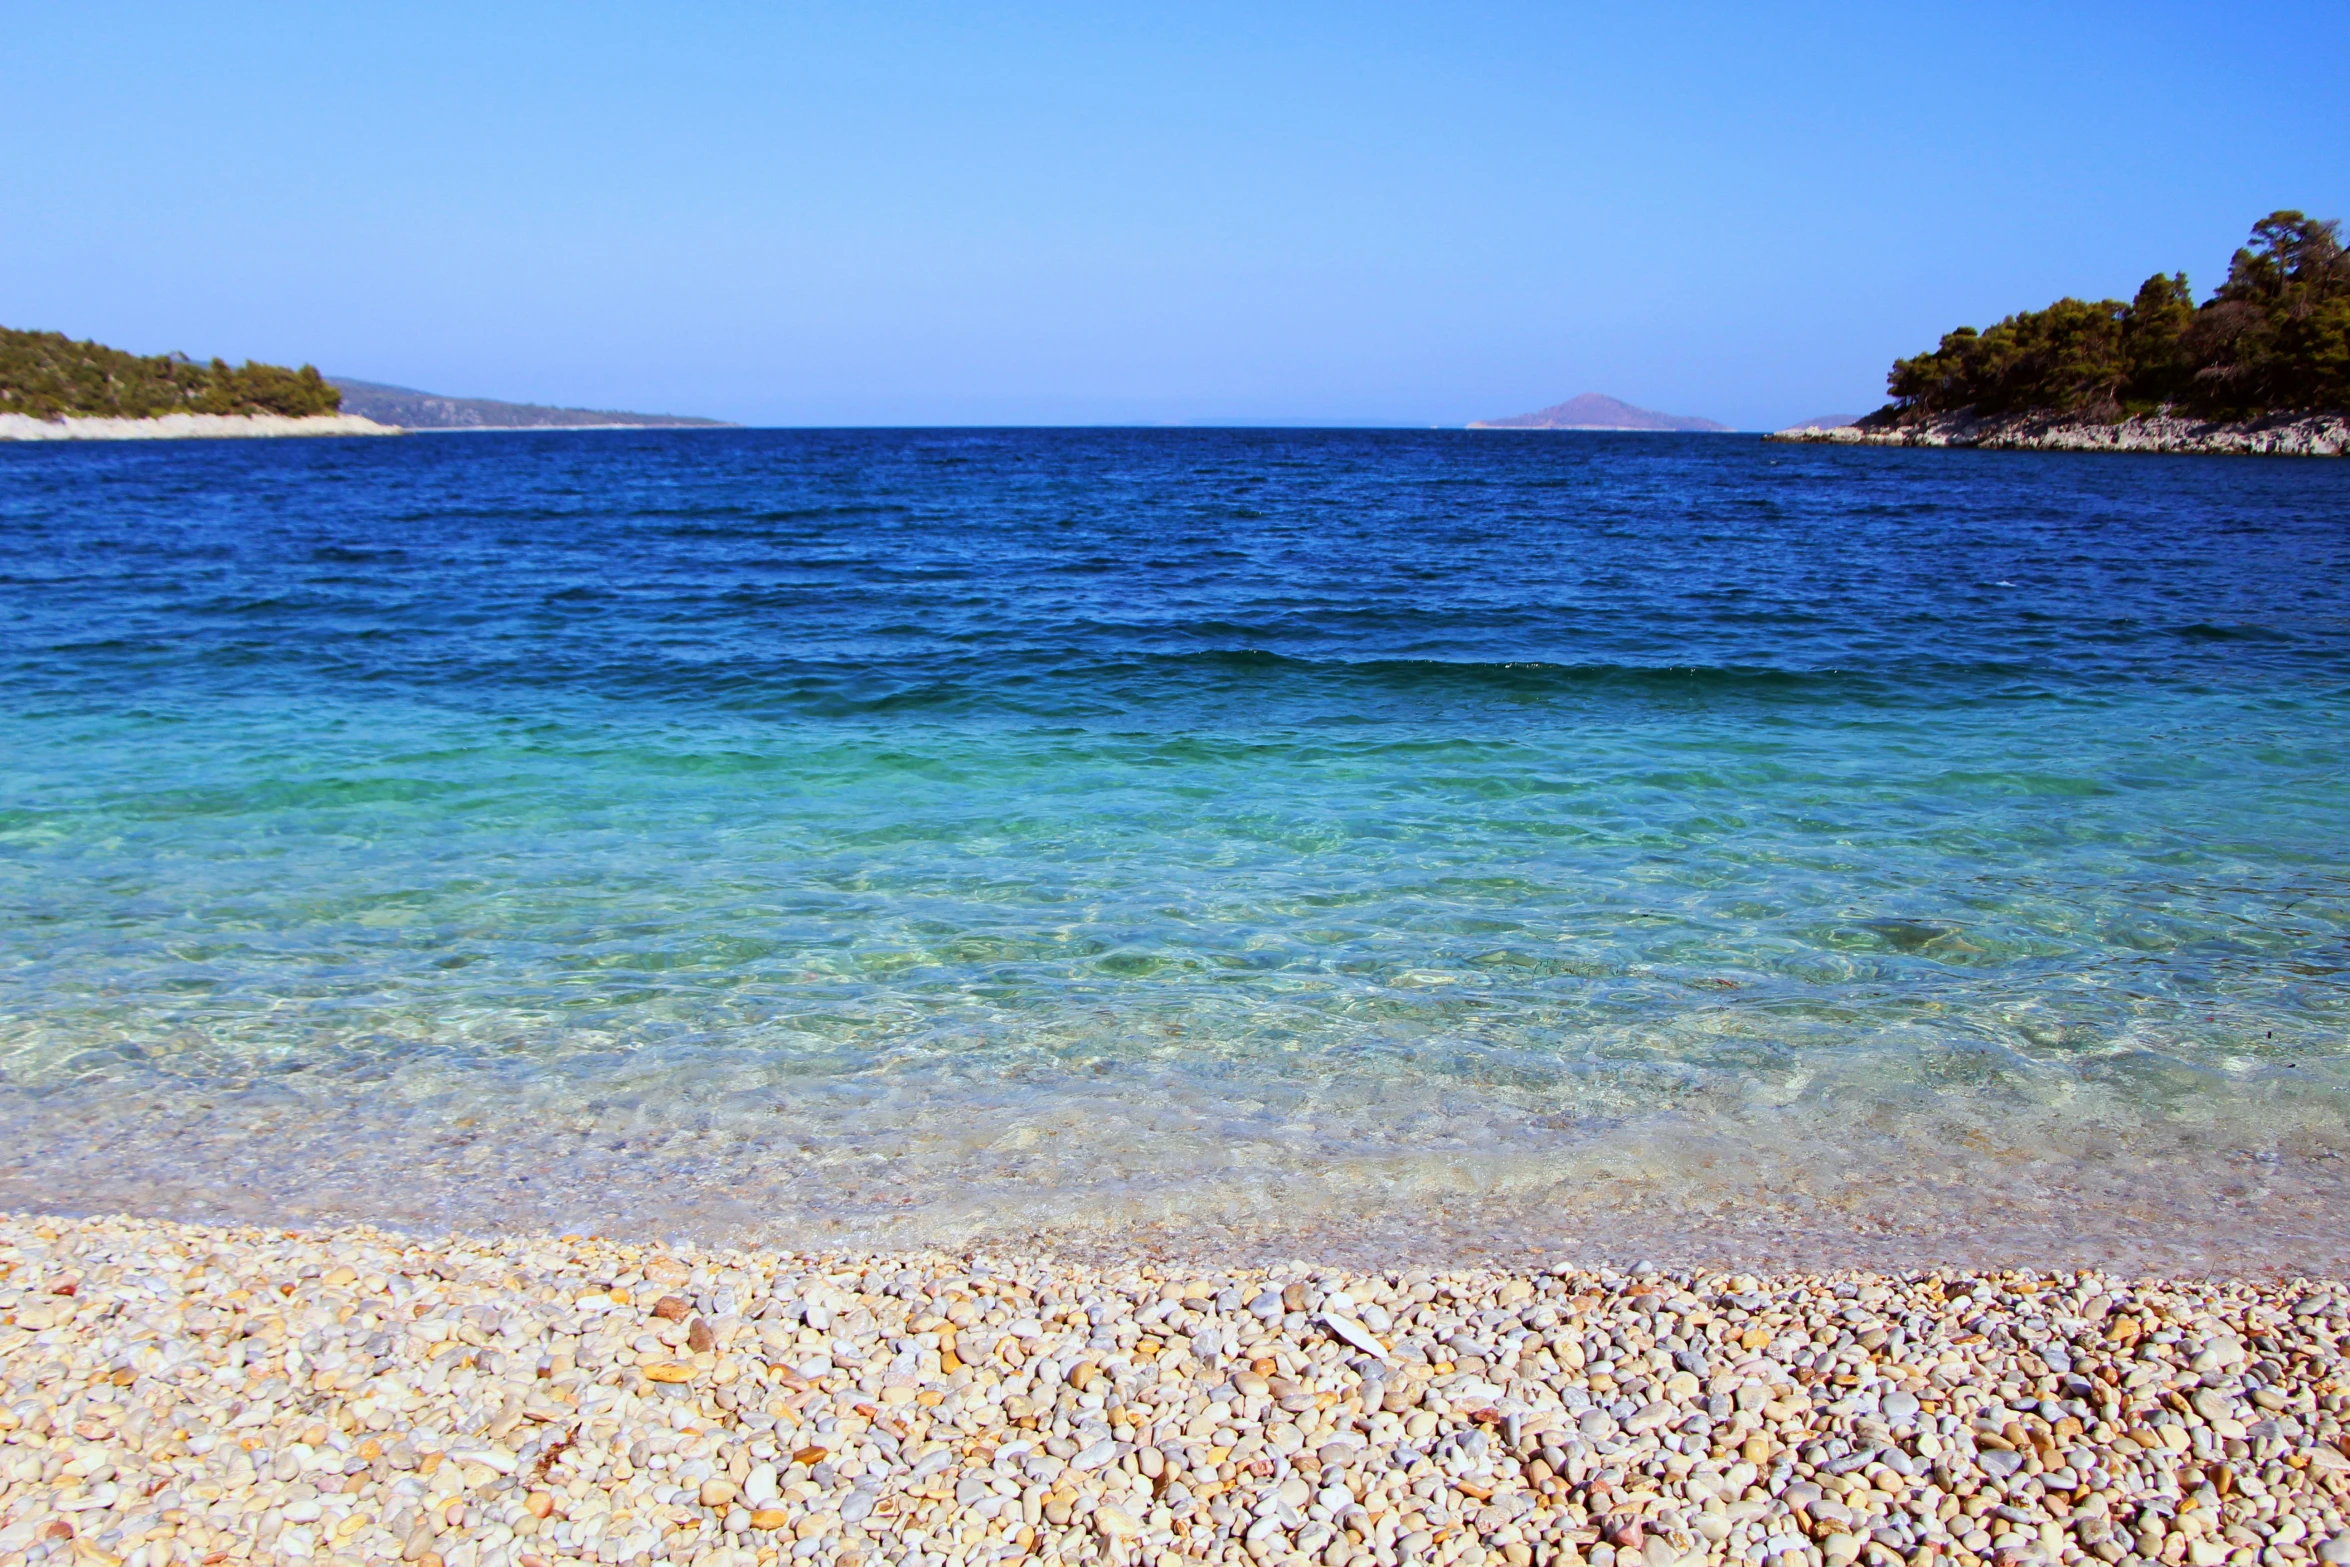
<point x="549" y="429"/>
<point x="2283" y="435"/>
<point x="186" y="1394"/>
<point x="166" y="427"/>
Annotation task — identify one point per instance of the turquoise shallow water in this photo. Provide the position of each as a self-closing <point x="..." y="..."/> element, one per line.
<point x="1298" y="841"/>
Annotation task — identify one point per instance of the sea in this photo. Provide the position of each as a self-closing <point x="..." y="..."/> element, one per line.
<point x="1347" y="845"/>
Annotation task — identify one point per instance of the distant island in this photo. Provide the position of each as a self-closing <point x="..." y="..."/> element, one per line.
<point x="1596" y="411"/>
<point x="414" y="410"/>
<point x="2262" y="366"/>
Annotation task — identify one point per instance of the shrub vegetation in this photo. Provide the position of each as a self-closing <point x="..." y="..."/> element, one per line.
<point x="2273" y="338"/>
<point x="49" y="375"/>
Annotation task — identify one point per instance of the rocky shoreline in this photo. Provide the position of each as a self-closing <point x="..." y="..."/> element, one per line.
<point x="2284" y="435"/>
<point x="177" y="1393"/>
<point x="184" y="427"/>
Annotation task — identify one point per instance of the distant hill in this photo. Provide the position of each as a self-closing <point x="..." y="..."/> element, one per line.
<point x="48" y="375"/>
<point x="1595" y="411"/>
<point x="1825" y="422"/>
<point x="414" y="410"/>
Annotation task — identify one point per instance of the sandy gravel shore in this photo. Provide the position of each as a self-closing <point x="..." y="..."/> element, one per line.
<point x="184" y="1394"/>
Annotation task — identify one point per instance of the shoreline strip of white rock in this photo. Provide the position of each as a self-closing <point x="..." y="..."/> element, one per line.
<point x="184" y="427"/>
<point x="2289" y="435"/>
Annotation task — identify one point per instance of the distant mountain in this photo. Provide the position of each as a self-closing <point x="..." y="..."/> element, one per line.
<point x="1594" y="411"/>
<point x="414" y="410"/>
<point x="1825" y="422"/>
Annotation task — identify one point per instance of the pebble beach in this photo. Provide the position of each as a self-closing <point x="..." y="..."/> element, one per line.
<point x="186" y="1394"/>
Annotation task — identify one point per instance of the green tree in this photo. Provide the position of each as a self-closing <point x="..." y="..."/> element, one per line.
<point x="2071" y="357"/>
<point x="50" y="376"/>
<point x="2155" y="333"/>
<point x="2273" y="334"/>
<point x="2274" y="337"/>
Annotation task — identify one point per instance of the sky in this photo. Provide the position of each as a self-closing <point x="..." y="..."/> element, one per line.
<point x="876" y="213"/>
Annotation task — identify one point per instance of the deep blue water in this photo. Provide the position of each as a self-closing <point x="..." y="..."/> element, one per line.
<point x="990" y="828"/>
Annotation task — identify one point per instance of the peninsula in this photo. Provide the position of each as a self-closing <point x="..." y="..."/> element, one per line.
<point x="55" y="388"/>
<point x="415" y="410"/>
<point x="2262" y="366"/>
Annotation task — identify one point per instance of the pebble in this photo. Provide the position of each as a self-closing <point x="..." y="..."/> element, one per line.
<point x="180" y="1394"/>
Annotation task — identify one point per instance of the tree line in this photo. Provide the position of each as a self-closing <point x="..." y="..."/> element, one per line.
<point x="2273" y="338"/>
<point x="49" y="375"/>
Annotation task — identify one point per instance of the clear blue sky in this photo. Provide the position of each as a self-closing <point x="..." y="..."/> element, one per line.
<point x="877" y="213"/>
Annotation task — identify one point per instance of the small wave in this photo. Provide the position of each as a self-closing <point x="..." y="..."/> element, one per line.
<point x="2207" y="631"/>
<point x="357" y="555"/>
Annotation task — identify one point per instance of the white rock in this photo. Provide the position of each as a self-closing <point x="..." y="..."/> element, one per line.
<point x="501" y="1459"/>
<point x="1354" y="1333"/>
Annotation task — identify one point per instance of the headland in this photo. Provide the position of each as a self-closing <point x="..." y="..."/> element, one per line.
<point x="2262" y="367"/>
<point x="432" y="411"/>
